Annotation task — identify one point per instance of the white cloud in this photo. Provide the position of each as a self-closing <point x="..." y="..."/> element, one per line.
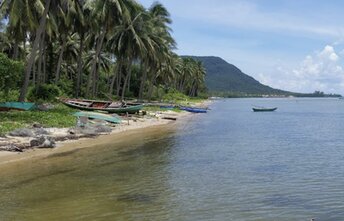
<point x="320" y="71"/>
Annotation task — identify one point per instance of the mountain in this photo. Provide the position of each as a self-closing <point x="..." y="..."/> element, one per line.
<point x="224" y="77"/>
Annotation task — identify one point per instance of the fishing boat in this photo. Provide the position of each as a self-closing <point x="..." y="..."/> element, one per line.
<point x="194" y="109"/>
<point x="22" y="106"/>
<point x="93" y="115"/>
<point x="108" y="106"/>
<point x="263" y="109"/>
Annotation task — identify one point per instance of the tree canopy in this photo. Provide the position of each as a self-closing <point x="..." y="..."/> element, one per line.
<point x="96" y="48"/>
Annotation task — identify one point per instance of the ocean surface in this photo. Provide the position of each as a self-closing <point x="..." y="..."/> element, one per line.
<point x="228" y="164"/>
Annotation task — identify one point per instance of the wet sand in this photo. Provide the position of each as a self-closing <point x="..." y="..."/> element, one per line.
<point x="120" y="134"/>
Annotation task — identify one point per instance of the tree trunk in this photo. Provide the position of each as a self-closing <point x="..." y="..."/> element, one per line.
<point x="16" y="50"/>
<point x="143" y="81"/>
<point x="80" y="64"/>
<point x="129" y="82"/>
<point x="95" y="82"/>
<point x="40" y="57"/>
<point x="95" y="60"/>
<point x="126" y="78"/>
<point x="59" y="62"/>
<point x="44" y="76"/>
<point x="115" y="74"/>
<point x="119" y="80"/>
<point x="33" y="53"/>
<point x="192" y="88"/>
<point x="150" y="91"/>
<point x="34" y="71"/>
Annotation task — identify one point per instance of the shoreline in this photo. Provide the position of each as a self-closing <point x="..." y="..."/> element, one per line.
<point x="122" y="132"/>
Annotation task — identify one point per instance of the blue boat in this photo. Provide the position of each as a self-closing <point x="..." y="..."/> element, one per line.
<point x="23" y="106"/>
<point x="194" y="109"/>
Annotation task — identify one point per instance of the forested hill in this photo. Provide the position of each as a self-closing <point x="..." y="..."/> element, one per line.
<point x="224" y="77"/>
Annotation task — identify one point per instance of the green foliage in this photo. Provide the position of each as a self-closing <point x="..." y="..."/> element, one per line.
<point x="44" y="92"/>
<point x="174" y="96"/>
<point x="60" y="116"/>
<point x="203" y="95"/>
<point x="225" y="77"/>
<point x="65" y="86"/>
<point x="96" y="49"/>
<point x="11" y="95"/>
<point x="11" y="73"/>
<point x="157" y="108"/>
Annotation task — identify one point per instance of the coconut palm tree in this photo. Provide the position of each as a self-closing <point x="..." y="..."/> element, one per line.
<point x="129" y="40"/>
<point x="22" y="16"/>
<point x="160" y="20"/>
<point x="81" y="27"/>
<point x="107" y="14"/>
<point x="31" y="60"/>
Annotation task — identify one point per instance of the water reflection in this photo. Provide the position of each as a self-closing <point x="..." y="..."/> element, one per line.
<point x="230" y="164"/>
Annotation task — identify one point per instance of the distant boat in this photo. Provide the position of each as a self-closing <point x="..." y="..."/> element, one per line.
<point x="263" y="109"/>
<point x="100" y="116"/>
<point x="194" y="109"/>
<point x="108" y="106"/>
<point x="23" y="106"/>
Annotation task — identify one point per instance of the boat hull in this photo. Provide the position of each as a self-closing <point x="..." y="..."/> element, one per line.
<point x="99" y="116"/>
<point x="90" y="105"/>
<point x="22" y="106"/>
<point x="194" y="110"/>
<point x="264" y="109"/>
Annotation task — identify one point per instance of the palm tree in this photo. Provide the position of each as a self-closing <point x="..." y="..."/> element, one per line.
<point x="68" y="41"/>
<point x="107" y="14"/>
<point x="63" y="28"/>
<point x="33" y="53"/>
<point x="128" y="42"/>
<point x="164" y="43"/>
<point x="22" y="16"/>
<point x="81" y="27"/>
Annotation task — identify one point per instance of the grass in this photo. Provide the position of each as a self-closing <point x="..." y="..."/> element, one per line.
<point x="188" y="102"/>
<point x="157" y="108"/>
<point x="60" y="116"/>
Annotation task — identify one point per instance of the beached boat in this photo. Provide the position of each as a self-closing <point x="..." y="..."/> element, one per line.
<point x="194" y="109"/>
<point x="23" y="106"/>
<point x="93" y="115"/>
<point x="108" y="106"/>
<point x="263" y="109"/>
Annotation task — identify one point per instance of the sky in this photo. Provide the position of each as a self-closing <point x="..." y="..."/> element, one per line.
<point x="295" y="45"/>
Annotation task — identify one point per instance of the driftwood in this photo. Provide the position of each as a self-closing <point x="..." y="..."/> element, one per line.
<point x="169" y="118"/>
<point x="75" y="137"/>
<point x="14" y="147"/>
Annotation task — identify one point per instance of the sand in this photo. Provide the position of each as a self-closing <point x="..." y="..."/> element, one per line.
<point x="128" y="127"/>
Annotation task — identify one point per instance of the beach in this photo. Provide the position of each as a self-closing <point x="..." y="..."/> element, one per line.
<point x="128" y="127"/>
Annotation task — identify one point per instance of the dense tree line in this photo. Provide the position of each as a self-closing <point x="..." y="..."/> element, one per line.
<point x="93" y="48"/>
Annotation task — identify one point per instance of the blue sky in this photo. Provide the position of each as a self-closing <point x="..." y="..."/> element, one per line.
<point x="294" y="45"/>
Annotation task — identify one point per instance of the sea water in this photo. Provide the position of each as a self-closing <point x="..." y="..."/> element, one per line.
<point x="228" y="164"/>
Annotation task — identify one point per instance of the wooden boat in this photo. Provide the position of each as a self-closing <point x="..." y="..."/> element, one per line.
<point x="93" y="115"/>
<point x="23" y="106"/>
<point x="108" y="106"/>
<point x="194" y="109"/>
<point x="262" y="109"/>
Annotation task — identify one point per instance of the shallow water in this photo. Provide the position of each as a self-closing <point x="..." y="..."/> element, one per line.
<point x="229" y="164"/>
